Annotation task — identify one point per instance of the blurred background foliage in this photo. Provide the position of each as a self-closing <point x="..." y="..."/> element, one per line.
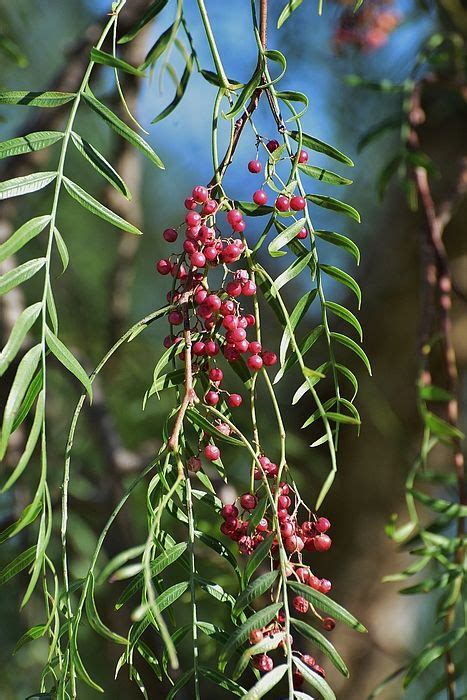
<point x="111" y="283"/>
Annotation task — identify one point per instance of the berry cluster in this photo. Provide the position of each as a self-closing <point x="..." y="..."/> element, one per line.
<point x="368" y="29"/>
<point x="283" y="202"/>
<point x="214" y="318"/>
<point x="309" y="536"/>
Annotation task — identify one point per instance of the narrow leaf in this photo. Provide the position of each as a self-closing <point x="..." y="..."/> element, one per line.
<point x="253" y="591"/>
<point x="321" y="147"/>
<point x="96" y="208"/>
<point x="100" y="164"/>
<point x="335" y="205"/>
<point x="25" y="184"/>
<point x="35" y="141"/>
<point x="106" y="59"/>
<point x="68" y="360"/>
<point x="23" y="324"/>
<point x="323" y="175"/>
<point x="35" y="99"/>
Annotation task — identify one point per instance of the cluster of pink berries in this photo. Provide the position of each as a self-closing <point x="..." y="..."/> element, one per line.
<point x="283" y="203"/>
<point x="368" y="29"/>
<point x="215" y="318"/>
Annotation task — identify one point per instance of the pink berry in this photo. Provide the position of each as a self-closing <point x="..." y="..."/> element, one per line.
<point x="231" y="253"/>
<point x="239" y="226"/>
<point x="255" y="362"/>
<point x="302" y="234"/>
<point x="164" y="267"/>
<point x="190" y="203"/>
<point x="189" y="247"/>
<point x="248" y="501"/>
<point x="322" y="543"/>
<point x="300" y="604"/>
<point x="192" y="218"/>
<point x="323" y="524"/>
<point x="175" y="318"/>
<point x="254" y="166"/>
<point x="329" y="623"/>
<point x="282" y="203"/>
<point x="234" y="216"/>
<point x="297" y="203"/>
<point x="269" y="358"/>
<point x="254" y="347"/>
<point x="197" y="259"/>
<point x="194" y="464"/>
<point x="200" y="194"/>
<point x="227" y="308"/>
<point x="199" y="348"/>
<point x="324" y="585"/>
<point x="303" y="156"/>
<point x="229" y="511"/>
<point x="308" y="660"/>
<point x="242" y="346"/>
<point x="211" y="398"/>
<point x="212" y="348"/>
<point x="294" y="544"/>
<point x="260" y="197"/>
<point x="250" y="320"/>
<point x="263" y="663"/>
<point x="170" y="235"/>
<point x="200" y="295"/>
<point x="234" y="400"/>
<point x="213" y="301"/>
<point x="234" y="288"/>
<point x="209" y="207"/>
<point x="248" y="288"/>
<point x="272" y="145"/>
<point x="230" y="322"/>
<point x="210" y="253"/>
<point x="216" y="374"/>
<point x="212" y="452"/>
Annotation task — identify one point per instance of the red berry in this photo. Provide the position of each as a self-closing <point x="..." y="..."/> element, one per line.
<point x="197" y="259"/>
<point x="189" y="247"/>
<point x="234" y="400"/>
<point x="234" y="288"/>
<point x="170" y="235"/>
<point x="284" y="502"/>
<point x="227" y="308"/>
<point x="298" y="678"/>
<point x="282" y="203"/>
<point x="210" y="253"/>
<point x="209" y="207"/>
<point x="322" y="543"/>
<point x="300" y="604"/>
<point x="234" y="216"/>
<point x="294" y="544"/>
<point x="239" y="226"/>
<point x="297" y="203"/>
<point x="190" y="203"/>
<point x="250" y="320"/>
<point x="269" y="358"/>
<point x="248" y="501"/>
<point x="256" y="636"/>
<point x="287" y="530"/>
<point x="231" y="253"/>
<point x="255" y="362"/>
<point x="254" y="166"/>
<point x="308" y="660"/>
<point x="231" y="354"/>
<point x="302" y="234"/>
<point x="249" y="288"/>
<point x="164" y="267"/>
<point x="175" y="318"/>
<point x="212" y="348"/>
<point x="323" y="524"/>
<point x="329" y="623"/>
<point x="200" y="194"/>
<point x="254" y="347"/>
<point x="242" y="346"/>
<point x="263" y="663"/>
<point x="193" y="218"/>
<point x="302" y="574"/>
<point x="272" y="145"/>
<point x="319" y="670"/>
<point x="213" y="301"/>
<point x="211" y="398"/>
<point x="194" y="464"/>
<point x="212" y="452"/>
<point x="260" y="197"/>
<point x="262" y="526"/>
<point x="230" y="322"/>
<point x="314" y="582"/>
<point x="303" y="156"/>
<point x="325" y="585"/>
<point x="216" y="374"/>
<point x="199" y="348"/>
<point x="229" y="511"/>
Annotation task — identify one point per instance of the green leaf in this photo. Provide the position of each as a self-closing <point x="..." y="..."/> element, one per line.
<point x="314" y="679"/>
<point x="323" y="175"/>
<point x="296" y="316"/>
<point x="341" y="241"/>
<point x="268" y="643"/>
<point x="24" y="374"/>
<point x="322" y="643"/>
<point x="199" y="420"/>
<point x="29" y="447"/>
<point x="35" y="99"/>
<point x="213" y="78"/>
<point x="157" y="566"/>
<point x="94" y="618"/>
<point x="100" y="164"/>
<point x="253" y="591"/>
<point x="346" y="315"/>
<point x="96" y="208"/>
<point x="344" y="278"/>
<point x="294" y="96"/>
<point x="62" y="249"/>
<point x="106" y="59"/>
<point x="252" y="209"/>
<point x="70" y="362"/>
<point x="22" y="235"/>
<point x="384" y="683"/>
<point x="287" y="11"/>
<point x="277" y="57"/>
<point x="434" y="649"/>
<point x="168" y="381"/>
<point x="285" y="237"/>
<point x="12" y="51"/>
<point x="439" y="505"/>
<point x="293" y="271"/>
<point x="35" y="141"/>
<point x="122" y="129"/>
<point x="389" y="124"/>
<point x="441" y="428"/>
<point x="241" y="634"/>
<point x="221" y="680"/>
<point x="161" y="44"/>
<point x="257" y="514"/>
<point x="150" y="13"/>
<point x="23" y="324"/>
<point x="25" y="184"/>
<point x="322" y="602"/>
<point x="19" y="563"/>
<point x="321" y="147"/>
<point x="80" y="668"/>
<point x="352" y="345"/>
<point x="434" y="393"/>
<point x="29" y="636"/>
<point x="303" y="347"/>
<point x="218" y="547"/>
<point x="31" y="395"/>
<point x="266" y="683"/>
<point x="20" y="274"/>
<point x="181" y="88"/>
<point x="258" y="556"/>
<point x="245" y="94"/>
<point x="335" y="205"/>
<point x="181" y="683"/>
